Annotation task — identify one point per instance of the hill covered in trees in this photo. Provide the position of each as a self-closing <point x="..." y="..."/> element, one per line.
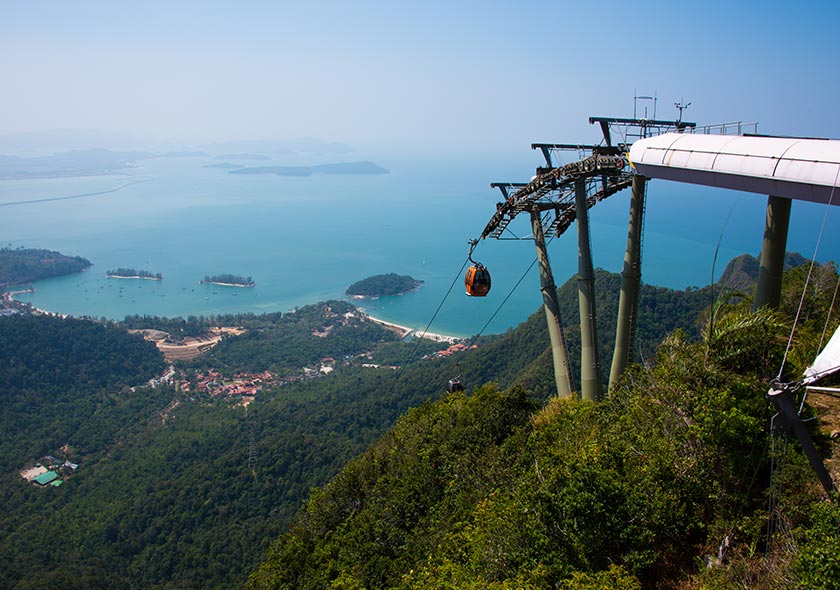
<point x="19" y="266"/>
<point x="384" y="285"/>
<point x="664" y="484"/>
<point x="494" y="487"/>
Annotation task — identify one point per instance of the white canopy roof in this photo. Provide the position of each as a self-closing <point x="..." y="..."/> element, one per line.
<point x="827" y="362"/>
<point x="806" y="169"/>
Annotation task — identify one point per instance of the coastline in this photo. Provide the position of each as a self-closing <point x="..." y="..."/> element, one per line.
<point x="229" y="284"/>
<point x="8" y="297"/>
<point x="405" y="331"/>
<point x="401" y="330"/>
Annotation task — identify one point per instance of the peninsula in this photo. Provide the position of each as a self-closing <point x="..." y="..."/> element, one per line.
<point x="383" y="285"/>
<point x="19" y="266"/>
<point x="94" y="162"/>
<point x="133" y="273"/>
<point x="229" y="280"/>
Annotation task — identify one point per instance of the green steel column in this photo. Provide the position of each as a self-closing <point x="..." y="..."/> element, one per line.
<point x="631" y="276"/>
<point x="562" y="372"/>
<point x="768" y="291"/>
<point x="787" y="408"/>
<point x="590" y="370"/>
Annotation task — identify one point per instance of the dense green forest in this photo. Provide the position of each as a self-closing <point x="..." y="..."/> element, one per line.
<point x="384" y="285"/>
<point x="58" y="378"/>
<point x="664" y="484"/>
<point x="298" y="339"/>
<point x="167" y="493"/>
<point x="19" y="266"/>
<point x="177" y="490"/>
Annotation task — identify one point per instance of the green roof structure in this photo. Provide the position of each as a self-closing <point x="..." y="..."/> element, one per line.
<point x="46" y="478"/>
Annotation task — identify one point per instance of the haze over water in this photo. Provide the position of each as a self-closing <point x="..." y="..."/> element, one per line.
<point x="306" y="239"/>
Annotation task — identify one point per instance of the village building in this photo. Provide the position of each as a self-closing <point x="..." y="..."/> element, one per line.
<point x="45" y="478"/>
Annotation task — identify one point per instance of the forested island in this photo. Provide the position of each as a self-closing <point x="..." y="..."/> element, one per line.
<point x="133" y="273"/>
<point x="230" y="280"/>
<point x="20" y="266"/>
<point x="383" y="285"/>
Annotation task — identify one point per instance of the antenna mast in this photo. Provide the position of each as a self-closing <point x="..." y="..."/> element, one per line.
<point x="681" y="107"/>
<point x="637" y="98"/>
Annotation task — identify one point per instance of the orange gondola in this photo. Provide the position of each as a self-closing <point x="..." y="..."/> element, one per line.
<point x="477" y="280"/>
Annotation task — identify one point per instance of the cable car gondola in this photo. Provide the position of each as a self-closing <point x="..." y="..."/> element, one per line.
<point x="477" y="279"/>
<point x="454" y="385"/>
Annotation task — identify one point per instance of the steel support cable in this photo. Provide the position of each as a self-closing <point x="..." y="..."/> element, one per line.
<point x="409" y="358"/>
<point x="411" y="354"/>
<point x="504" y="301"/>
<point x="810" y="272"/>
<point x="830" y="311"/>
<point x="499" y="308"/>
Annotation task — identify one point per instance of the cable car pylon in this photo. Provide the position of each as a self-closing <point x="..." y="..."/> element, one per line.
<point x="556" y="197"/>
<point x="559" y="351"/>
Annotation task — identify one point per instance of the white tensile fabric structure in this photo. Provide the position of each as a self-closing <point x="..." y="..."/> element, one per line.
<point x="827" y="361"/>
<point x="804" y="169"/>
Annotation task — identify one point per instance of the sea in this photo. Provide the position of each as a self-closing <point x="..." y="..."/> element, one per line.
<point x="306" y="239"/>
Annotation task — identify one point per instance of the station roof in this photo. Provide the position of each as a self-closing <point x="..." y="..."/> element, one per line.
<point x="795" y="168"/>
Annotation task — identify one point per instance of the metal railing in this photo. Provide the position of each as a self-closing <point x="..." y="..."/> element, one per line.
<point x="732" y="128"/>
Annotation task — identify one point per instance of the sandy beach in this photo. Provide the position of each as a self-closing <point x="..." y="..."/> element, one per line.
<point x="404" y="331"/>
<point x="8" y="297"/>
<point x="243" y="286"/>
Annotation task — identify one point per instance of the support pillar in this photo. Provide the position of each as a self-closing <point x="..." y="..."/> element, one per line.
<point x="631" y="277"/>
<point x="768" y="291"/>
<point x="590" y="370"/>
<point x="791" y="420"/>
<point x="562" y="371"/>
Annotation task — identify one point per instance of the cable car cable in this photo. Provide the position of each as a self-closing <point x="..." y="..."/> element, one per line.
<point x="808" y="278"/>
<point x="413" y="351"/>
<point x="498" y="309"/>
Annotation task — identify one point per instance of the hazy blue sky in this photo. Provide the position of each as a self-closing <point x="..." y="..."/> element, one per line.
<point x="430" y="74"/>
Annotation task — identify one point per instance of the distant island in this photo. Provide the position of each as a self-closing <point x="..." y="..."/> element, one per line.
<point x="339" y="168"/>
<point x="133" y="273"/>
<point x="19" y="266"/>
<point x="224" y="166"/>
<point x="185" y="154"/>
<point x="262" y="157"/>
<point x="229" y="280"/>
<point x="383" y="286"/>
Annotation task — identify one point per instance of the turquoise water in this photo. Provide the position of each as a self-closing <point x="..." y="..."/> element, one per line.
<point x="306" y="239"/>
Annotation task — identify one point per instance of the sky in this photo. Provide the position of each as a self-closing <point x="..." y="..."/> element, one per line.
<point x="443" y="76"/>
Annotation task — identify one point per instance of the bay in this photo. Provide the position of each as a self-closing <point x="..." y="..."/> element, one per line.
<point x="306" y="239"/>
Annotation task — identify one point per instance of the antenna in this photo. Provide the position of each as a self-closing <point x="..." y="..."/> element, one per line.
<point x="637" y="98"/>
<point x="682" y="107"/>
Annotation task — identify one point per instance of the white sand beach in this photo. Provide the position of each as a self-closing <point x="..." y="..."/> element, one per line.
<point x="404" y="331"/>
